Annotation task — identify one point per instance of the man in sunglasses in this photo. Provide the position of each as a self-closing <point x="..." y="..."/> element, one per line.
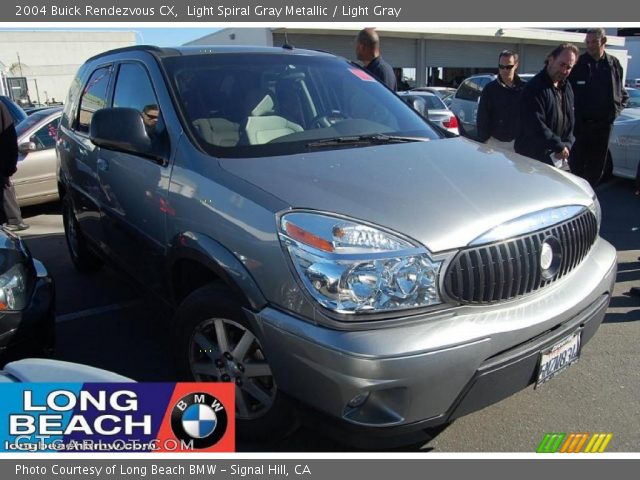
<point x="597" y="82"/>
<point x="499" y="108"/>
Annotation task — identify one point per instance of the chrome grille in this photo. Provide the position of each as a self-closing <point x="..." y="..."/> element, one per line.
<point x="511" y="268"/>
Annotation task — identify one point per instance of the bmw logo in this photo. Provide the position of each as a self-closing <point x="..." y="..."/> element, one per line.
<point x="199" y="418"/>
<point x="550" y="257"/>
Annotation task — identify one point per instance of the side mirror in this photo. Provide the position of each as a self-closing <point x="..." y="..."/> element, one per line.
<point x="120" y="129"/>
<point x="27" y="147"/>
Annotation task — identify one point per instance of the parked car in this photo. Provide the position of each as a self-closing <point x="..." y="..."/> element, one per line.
<point x="32" y="370"/>
<point x="464" y="103"/>
<point x="624" y="145"/>
<point x="442" y="92"/>
<point x="315" y="239"/>
<point x="437" y="111"/>
<point x="16" y="111"/>
<point x="26" y="302"/>
<point x="634" y="97"/>
<point x="35" y="181"/>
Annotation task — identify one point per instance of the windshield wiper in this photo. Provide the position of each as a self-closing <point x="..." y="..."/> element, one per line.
<point x="374" y="139"/>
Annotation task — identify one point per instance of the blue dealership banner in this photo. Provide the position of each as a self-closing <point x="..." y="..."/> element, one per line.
<point x="117" y="417"/>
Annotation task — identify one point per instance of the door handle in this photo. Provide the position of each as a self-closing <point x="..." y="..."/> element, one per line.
<point x="102" y="164"/>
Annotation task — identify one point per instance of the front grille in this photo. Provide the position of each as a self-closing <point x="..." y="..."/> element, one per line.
<point x="511" y="268"/>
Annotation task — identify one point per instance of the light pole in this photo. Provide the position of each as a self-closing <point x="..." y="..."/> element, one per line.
<point x="35" y="80"/>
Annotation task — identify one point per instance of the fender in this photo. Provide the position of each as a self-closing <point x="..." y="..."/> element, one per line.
<point x="217" y="258"/>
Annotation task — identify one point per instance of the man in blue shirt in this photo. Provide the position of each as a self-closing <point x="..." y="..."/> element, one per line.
<point x="368" y="52"/>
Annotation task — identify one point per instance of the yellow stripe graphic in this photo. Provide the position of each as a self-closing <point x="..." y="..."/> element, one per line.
<point x="606" y="442"/>
<point x="590" y="444"/>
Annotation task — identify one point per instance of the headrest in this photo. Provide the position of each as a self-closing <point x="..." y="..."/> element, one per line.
<point x="260" y="103"/>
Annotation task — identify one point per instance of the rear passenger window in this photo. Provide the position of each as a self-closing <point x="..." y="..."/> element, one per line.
<point x="469" y="90"/>
<point x="94" y="97"/>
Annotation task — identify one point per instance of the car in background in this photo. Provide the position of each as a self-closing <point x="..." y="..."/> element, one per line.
<point x="464" y="103"/>
<point x="16" y="111"/>
<point x="27" y="315"/>
<point x="437" y="111"/>
<point x="624" y="145"/>
<point x="634" y="97"/>
<point x="31" y="370"/>
<point x="442" y="92"/>
<point x="35" y="181"/>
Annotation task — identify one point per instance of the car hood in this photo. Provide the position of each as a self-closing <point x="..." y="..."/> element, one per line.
<point x="443" y="193"/>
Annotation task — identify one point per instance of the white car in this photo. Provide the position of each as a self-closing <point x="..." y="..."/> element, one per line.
<point x="46" y="370"/>
<point x="35" y="181"/>
<point x="437" y="111"/>
<point x="624" y="145"/>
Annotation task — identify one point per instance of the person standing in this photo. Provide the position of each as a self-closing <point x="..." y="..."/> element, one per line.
<point x="597" y="82"/>
<point x="8" y="156"/>
<point x="546" y="110"/>
<point x="499" y="109"/>
<point x="368" y="52"/>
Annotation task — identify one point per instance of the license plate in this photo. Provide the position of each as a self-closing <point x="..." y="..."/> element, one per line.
<point x="558" y="358"/>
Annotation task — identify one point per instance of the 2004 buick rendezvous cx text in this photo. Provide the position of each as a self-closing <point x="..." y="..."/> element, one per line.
<point x="320" y="243"/>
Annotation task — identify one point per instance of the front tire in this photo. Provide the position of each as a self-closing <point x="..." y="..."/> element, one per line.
<point x="216" y="343"/>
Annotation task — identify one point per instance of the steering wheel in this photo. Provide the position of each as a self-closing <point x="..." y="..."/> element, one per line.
<point x="325" y="121"/>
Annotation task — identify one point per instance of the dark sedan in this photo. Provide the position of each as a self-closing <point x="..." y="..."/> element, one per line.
<point x="27" y="313"/>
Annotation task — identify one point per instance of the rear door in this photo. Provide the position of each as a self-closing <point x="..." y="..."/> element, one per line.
<point x="135" y="187"/>
<point x="81" y="154"/>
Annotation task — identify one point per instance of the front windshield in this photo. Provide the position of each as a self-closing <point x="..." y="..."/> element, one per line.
<point x="257" y="104"/>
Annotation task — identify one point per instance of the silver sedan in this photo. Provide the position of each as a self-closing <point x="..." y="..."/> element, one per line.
<point x="624" y="145"/>
<point x="35" y="180"/>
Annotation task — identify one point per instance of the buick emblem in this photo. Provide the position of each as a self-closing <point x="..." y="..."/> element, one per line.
<point x="550" y="257"/>
<point x="546" y="256"/>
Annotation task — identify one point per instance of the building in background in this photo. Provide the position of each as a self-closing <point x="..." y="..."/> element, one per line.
<point x="428" y="56"/>
<point x="38" y="66"/>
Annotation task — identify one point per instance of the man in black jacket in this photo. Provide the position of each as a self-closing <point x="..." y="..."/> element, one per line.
<point x="597" y="82"/>
<point x="546" y="110"/>
<point x="8" y="154"/>
<point x="368" y="52"/>
<point x="499" y="109"/>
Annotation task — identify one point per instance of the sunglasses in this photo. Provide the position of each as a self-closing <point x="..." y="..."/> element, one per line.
<point x="505" y="67"/>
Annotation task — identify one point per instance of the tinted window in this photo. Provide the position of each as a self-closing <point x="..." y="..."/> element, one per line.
<point x="470" y="89"/>
<point x="94" y="97"/>
<point x="45" y="136"/>
<point x="31" y="121"/>
<point x="134" y="90"/>
<point x="269" y="104"/>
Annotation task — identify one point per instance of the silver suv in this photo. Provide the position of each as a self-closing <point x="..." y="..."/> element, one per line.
<point x="320" y="244"/>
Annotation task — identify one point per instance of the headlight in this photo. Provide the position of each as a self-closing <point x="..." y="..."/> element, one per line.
<point x="13" y="288"/>
<point x="351" y="268"/>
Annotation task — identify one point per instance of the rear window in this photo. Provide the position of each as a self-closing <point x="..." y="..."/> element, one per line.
<point x="238" y="105"/>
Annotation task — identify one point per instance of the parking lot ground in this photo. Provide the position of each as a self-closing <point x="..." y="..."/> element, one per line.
<point x="104" y="321"/>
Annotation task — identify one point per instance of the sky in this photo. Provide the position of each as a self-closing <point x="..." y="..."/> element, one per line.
<point x="161" y="37"/>
<point x="171" y="37"/>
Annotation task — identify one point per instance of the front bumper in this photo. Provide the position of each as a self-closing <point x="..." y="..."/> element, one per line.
<point x="30" y="332"/>
<point x="440" y="366"/>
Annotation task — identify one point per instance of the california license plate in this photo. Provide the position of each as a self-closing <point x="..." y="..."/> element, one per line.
<point x="558" y="358"/>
